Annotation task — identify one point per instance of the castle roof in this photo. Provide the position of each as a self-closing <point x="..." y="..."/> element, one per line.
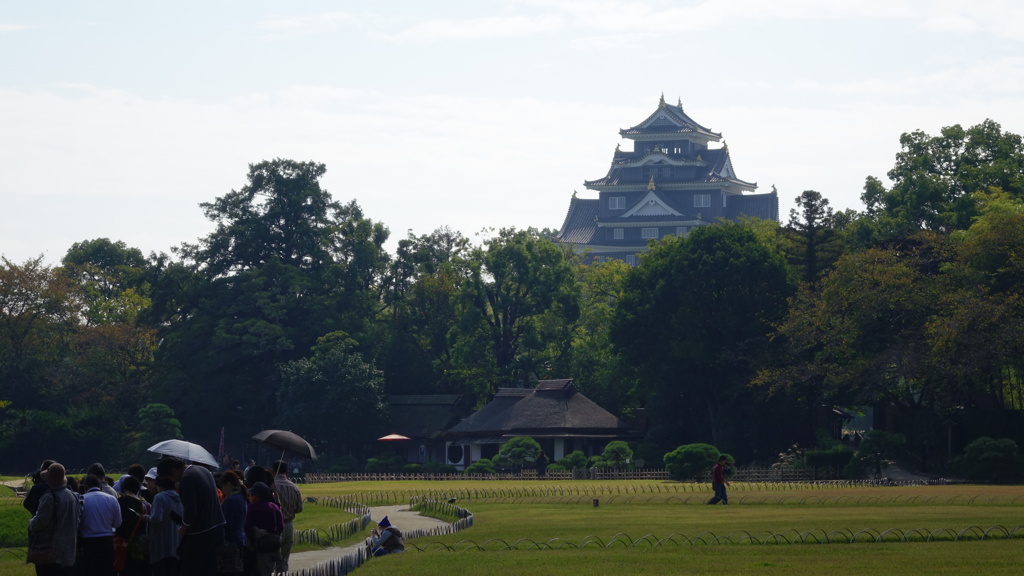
<point x="669" y="120"/>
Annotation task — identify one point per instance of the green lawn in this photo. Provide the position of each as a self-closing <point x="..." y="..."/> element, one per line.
<point x="539" y="528"/>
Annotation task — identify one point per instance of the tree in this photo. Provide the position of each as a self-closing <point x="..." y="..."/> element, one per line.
<point x="112" y="278"/>
<point x="518" y="452"/>
<point x="860" y="337"/>
<point x="39" y="313"/>
<point x="815" y="240"/>
<point x="878" y="447"/>
<point x="693" y="319"/>
<point x="334" y="398"/>
<point x="617" y="454"/>
<point x="598" y="371"/>
<point x="690" y="460"/>
<point x="426" y="278"/>
<point x="934" y="177"/>
<point x="993" y="460"/>
<point x="522" y="293"/>
<point x="156" y="423"/>
<point x="285" y="265"/>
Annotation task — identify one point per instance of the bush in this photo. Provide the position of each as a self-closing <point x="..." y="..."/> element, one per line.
<point x="878" y="447"/>
<point x="481" y="466"/>
<point x="435" y="467"/>
<point x="339" y="464"/>
<point x="834" y="457"/>
<point x="518" y="452"/>
<point x="617" y="454"/>
<point x="411" y="468"/>
<point x="689" y="460"/>
<point x="994" y="460"/>
<point x="385" y="463"/>
<point x="575" y="459"/>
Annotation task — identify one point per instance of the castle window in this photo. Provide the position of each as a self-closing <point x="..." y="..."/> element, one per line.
<point x="680" y="230"/>
<point x="631" y="259"/>
<point x="648" y="233"/>
<point x="618" y="233"/>
<point x="702" y="200"/>
<point x="616" y="202"/>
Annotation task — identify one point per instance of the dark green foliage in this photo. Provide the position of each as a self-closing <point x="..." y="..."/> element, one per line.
<point x="576" y="459"/>
<point x="690" y="460"/>
<point x="996" y="460"/>
<point x="481" y="466"/>
<point x="694" y="320"/>
<point x="522" y="296"/>
<point x="385" y="462"/>
<point x="617" y="454"/>
<point x="518" y="452"/>
<point x="333" y="399"/>
<point x="934" y="177"/>
<point x="878" y="447"/>
<point x="285" y="265"/>
<point x="835" y="457"/>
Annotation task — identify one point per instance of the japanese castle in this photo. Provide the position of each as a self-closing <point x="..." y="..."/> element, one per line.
<point x="669" y="183"/>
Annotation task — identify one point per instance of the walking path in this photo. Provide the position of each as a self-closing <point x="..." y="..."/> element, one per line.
<point x="400" y="516"/>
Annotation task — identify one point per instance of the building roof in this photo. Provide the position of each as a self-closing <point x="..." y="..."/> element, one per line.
<point x="423" y="416"/>
<point x="670" y="120"/>
<point x="714" y="168"/>
<point x="554" y="408"/>
<point x="580" y="223"/>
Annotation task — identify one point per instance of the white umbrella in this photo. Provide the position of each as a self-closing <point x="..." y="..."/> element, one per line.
<point x="187" y="451"/>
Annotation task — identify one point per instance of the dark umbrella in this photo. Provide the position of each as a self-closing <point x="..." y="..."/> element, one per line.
<point x="286" y="441"/>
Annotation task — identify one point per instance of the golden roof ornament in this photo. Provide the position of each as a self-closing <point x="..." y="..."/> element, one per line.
<point x="650" y="185"/>
<point x="657" y="148"/>
<point x="573" y="193"/>
<point x="698" y="158"/>
<point x="661" y="102"/>
<point x="680" y="103"/>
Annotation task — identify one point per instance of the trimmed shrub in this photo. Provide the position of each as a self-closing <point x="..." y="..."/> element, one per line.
<point x="689" y="460"/>
<point x="995" y="460"/>
<point x="481" y="466"/>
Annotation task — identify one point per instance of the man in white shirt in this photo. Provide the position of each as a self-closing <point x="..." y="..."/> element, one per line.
<point x="101" y="515"/>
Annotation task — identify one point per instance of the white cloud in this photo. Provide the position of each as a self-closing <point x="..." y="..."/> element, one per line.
<point x="13" y="27"/>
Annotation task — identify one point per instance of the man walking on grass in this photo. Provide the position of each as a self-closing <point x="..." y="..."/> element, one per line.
<point x="718" y="482"/>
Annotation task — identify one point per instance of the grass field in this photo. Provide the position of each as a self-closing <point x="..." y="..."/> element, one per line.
<point x="639" y="527"/>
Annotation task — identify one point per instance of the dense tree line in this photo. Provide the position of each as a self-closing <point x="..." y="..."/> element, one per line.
<point x="292" y="314"/>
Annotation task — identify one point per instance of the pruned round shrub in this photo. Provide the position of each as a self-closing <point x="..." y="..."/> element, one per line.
<point x="689" y="460"/>
<point x="994" y="460"/>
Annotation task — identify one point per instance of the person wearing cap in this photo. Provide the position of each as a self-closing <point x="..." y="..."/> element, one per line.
<point x="386" y="539"/>
<point x="264" y="523"/>
<point x="56" y="520"/>
<point x="39" y="487"/>
<point x="149" y="483"/>
<point x="718" y="482"/>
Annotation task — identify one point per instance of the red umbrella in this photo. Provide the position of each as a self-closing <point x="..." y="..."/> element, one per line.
<point x="391" y="437"/>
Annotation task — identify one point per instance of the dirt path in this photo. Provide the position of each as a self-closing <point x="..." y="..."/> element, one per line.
<point x="399" y="515"/>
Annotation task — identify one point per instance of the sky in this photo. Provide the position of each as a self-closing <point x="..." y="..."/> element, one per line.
<point x="118" y="118"/>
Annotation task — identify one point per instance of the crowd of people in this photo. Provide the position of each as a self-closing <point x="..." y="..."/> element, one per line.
<point x="175" y="519"/>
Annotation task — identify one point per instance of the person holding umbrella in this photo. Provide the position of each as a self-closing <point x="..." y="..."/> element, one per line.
<point x="290" y="501"/>
<point x="202" y="523"/>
